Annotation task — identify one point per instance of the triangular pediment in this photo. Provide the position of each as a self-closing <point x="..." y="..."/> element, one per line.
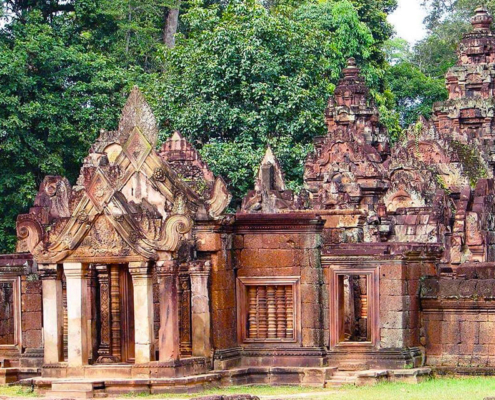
<point x="128" y="202"/>
<point x="103" y="242"/>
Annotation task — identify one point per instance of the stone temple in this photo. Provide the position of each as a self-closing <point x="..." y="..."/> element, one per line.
<point x="383" y="267"/>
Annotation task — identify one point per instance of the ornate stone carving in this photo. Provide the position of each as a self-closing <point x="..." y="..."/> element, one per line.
<point x="270" y="194"/>
<point x="159" y="174"/>
<point x="175" y="226"/>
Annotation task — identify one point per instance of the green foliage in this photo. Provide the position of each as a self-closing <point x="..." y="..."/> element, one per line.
<point x="447" y="21"/>
<point x="473" y="165"/>
<point x="244" y="74"/>
<point x="247" y="77"/>
<point x="54" y="97"/>
<point x="414" y="92"/>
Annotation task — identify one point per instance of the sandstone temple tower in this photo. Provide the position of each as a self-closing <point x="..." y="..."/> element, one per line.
<point x="136" y="278"/>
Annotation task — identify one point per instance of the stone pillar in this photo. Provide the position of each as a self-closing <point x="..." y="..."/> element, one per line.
<point x="116" y="342"/>
<point x="104" y="352"/>
<point x="91" y="314"/>
<point x="53" y="316"/>
<point x="169" y="339"/>
<point x="143" y="311"/>
<point x="77" y="289"/>
<point x="200" y="309"/>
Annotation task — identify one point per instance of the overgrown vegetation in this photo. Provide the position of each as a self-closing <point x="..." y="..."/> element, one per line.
<point x="242" y="74"/>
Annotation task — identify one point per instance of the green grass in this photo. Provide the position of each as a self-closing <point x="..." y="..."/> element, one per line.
<point x="463" y="388"/>
<point x="16" y="391"/>
<point x="472" y="388"/>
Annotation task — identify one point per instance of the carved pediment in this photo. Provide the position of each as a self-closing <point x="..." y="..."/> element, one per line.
<point x="128" y="201"/>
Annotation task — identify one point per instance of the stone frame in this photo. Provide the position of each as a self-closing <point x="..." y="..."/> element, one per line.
<point x="373" y="283"/>
<point x="16" y="284"/>
<point x="242" y="312"/>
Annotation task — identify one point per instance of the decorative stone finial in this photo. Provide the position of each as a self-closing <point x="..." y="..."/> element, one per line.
<point x="351" y="70"/>
<point x="481" y="20"/>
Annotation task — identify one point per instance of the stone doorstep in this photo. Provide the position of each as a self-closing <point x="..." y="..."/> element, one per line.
<point x="373" y="376"/>
<point x="8" y="375"/>
<point x="78" y="389"/>
<point x="353" y="367"/>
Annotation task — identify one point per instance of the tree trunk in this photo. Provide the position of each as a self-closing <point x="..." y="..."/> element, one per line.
<point x="171" y="24"/>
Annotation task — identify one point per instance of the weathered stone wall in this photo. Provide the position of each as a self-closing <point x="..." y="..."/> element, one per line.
<point x="31" y="307"/>
<point x="215" y="245"/>
<point x="290" y="254"/>
<point x="21" y="308"/>
<point x="458" y="319"/>
<point x="399" y="302"/>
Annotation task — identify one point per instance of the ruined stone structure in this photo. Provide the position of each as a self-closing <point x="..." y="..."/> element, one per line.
<point x="137" y="279"/>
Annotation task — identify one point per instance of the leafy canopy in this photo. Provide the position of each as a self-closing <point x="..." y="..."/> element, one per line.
<point x="243" y="74"/>
<point x="247" y="77"/>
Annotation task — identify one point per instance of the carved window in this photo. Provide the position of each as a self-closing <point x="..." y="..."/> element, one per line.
<point x="268" y="309"/>
<point x="10" y="313"/>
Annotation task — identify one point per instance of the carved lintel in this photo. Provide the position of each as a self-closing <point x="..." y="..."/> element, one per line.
<point x="167" y="268"/>
<point x="139" y="269"/>
<point x="75" y="270"/>
<point x="199" y="267"/>
<point x="49" y="272"/>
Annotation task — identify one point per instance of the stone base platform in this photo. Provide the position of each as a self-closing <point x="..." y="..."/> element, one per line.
<point x="100" y="387"/>
<point x="316" y="377"/>
<point x="372" y="377"/>
<point x="15" y="374"/>
<point x="364" y="358"/>
<point x="152" y="370"/>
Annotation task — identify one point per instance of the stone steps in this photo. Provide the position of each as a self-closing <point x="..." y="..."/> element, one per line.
<point x="341" y="378"/>
<point x="76" y="390"/>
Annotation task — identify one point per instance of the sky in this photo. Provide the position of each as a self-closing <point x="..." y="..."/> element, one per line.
<point x="408" y="20"/>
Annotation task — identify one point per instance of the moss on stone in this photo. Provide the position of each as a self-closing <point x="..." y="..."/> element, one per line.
<point x="473" y="165"/>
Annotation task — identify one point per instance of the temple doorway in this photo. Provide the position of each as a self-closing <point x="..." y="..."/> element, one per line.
<point x="354" y="294"/>
<point x="354" y="324"/>
<point x="114" y="313"/>
<point x="127" y="314"/>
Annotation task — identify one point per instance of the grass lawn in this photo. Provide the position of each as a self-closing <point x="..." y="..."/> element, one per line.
<point x="476" y="388"/>
<point x="16" y="391"/>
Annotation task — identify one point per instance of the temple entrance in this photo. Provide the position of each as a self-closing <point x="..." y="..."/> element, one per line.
<point x="354" y="294"/>
<point x="127" y="314"/>
<point x="115" y="314"/>
<point x="353" y="310"/>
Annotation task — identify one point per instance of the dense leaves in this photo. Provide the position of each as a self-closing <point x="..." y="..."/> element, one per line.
<point x="248" y="77"/>
<point x="243" y="74"/>
<point x="54" y="97"/>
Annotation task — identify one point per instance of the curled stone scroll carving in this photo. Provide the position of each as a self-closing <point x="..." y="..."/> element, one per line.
<point x="175" y="226"/>
<point x="220" y="198"/>
<point x="29" y="234"/>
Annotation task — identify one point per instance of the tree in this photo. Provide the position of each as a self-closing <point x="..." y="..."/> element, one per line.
<point x="414" y="92"/>
<point x="447" y="21"/>
<point x="54" y="97"/>
<point x="243" y="73"/>
<point x="247" y="77"/>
